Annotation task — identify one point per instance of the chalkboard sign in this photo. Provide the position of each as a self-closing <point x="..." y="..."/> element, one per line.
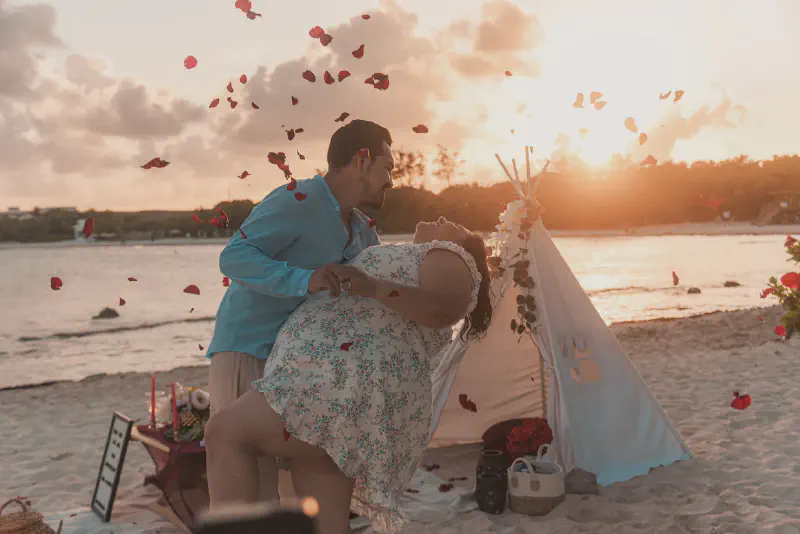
<point x="111" y="466"/>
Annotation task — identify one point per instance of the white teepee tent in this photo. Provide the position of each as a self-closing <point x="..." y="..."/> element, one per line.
<point x="572" y="370"/>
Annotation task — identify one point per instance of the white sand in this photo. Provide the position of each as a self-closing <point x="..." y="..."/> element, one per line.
<point x="746" y="478"/>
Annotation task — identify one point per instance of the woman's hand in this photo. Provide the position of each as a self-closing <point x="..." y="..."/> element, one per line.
<point x="355" y="282"/>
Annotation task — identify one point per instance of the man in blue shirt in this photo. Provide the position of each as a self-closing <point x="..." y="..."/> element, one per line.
<point x="289" y="247"/>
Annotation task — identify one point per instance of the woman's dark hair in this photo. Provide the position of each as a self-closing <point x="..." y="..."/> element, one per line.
<point x="352" y="137"/>
<point x="477" y="323"/>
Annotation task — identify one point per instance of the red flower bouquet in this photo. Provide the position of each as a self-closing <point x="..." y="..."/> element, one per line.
<point x="527" y="437"/>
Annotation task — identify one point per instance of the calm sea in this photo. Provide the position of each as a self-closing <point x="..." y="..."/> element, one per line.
<point x="50" y="335"/>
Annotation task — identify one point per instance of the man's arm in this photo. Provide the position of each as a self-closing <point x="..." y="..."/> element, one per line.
<point x="273" y="225"/>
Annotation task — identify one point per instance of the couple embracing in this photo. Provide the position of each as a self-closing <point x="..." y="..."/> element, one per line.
<point x="320" y="362"/>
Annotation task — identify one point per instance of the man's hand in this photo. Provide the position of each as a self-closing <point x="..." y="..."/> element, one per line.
<point x="356" y="282"/>
<point x="325" y="278"/>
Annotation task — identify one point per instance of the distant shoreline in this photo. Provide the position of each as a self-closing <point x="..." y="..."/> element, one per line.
<point x="685" y="229"/>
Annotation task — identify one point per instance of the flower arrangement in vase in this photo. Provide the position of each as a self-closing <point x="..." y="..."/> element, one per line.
<point x="184" y="409"/>
<point x="527" y="437"/>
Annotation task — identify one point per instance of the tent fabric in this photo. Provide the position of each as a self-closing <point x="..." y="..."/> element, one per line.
<point x="604" y="418"/>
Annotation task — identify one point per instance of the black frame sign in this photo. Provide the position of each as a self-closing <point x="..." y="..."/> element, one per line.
<point x="105" y="490"/>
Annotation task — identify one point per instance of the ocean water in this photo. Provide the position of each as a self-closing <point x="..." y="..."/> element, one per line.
<point x="50" y="335"/>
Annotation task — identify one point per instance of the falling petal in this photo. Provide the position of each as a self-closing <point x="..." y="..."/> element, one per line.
<point x="316" y="32"/>
<point x="252" y="15"/>
<point x="600" y="104"/>
<point x="192" y="289"/>
<point x="244" y="5"/>
<point x="740" y="402"/>
<point x="214" y="103"/>
<point x="300" y="196"/>
<point x="325" y="40"/>
<point x="365" y="16"/>
<point x="190" y="62"/>
<point x="201" y="347"/>
<point x="230" y="87"/>
<point x="578" y="101"/>
<point x="467" y="404"/>
<point x="255" y="106"/>
<point x="342" y="117"/>
<point x="276" y="157"/>
<point x="132" y="279"/>
<point x="630" y="124"/>
<point x="299" y="155"/>
<point x="242" y="79"/>
<point x="328" y="78"/>
<point x="308" y="75"/>
<point x="358" y="53"/>
<point x="158" y="163"/>
<point x="594" y="96"/>
<point x="88" y="227"/>
<point x="55" y="283"/>
<point x="675" y="279"/>
<point x="642" y="138"/>
<point x="420" y="128"/>
<point x="444" y="488"/>
<point x="664" y="96"/>
<point x="290" y="134"/>
<point x="678" y="95"/>
<point x="122" y="302"/>
<point x="226" y="282"/>
<point x="508" y="73"/>
<point x="295" y="101"/>
<point x="292" y="185"/>
<point x="244" y="175"/>
<point x="234" y="103"/>
<point x="343" y="74"/>
<point x="370" y="81"/>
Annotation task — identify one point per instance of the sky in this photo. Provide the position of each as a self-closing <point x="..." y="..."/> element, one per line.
<point x="90" y="91"/>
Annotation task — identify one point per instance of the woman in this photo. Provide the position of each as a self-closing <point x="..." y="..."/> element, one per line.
<point x="346" y="393"/>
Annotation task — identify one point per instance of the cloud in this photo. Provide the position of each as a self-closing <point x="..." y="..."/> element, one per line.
<point x="86" y="73"/>
<point x="504" y="33"/>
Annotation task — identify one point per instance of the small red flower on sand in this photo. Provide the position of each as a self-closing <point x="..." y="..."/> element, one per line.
<point x="56" y="283"/>
<point x="132" y="279"/>
<point x="122" y="302"/>
<point x="780" y="330"/>
<point x="346" y="346"/>
<point x="740" y="402"/>
<point x="343" y="74"/>
<point x="88" y="228"/>
<point x="286" y="435"/>
<point x="299" y="155"/>
<point x="444" y="488"/>
<point x="372" y="223"/>
<point x="300" y="196"/>
<point x="294" y="101"/>
<point x="226" y="282"/>
<point x="508" y="73"/>
<point x="292" y="185"/>
<point x="244" y="175"/>
<point x="358" y="53"/>
<point x="242" y="233"/>
<point x="342" y="117"/>
<point x="328" y="78"/>
<point x="467" y="404"/>
<point x="365" y="16"/>
<point x="190" y="62"/>
<point x="791" y="280"/>
<point x="192" y="289"/>
<point x="255" y="106"/>
<point x="420" y="128"/>
<point x="244" y="5"/>
<point x="790" y="241"/>
<point x="394" y="293"/>
<point x="242" y="79"/>
<point x="767" y="292"/>
<point x="214" y="103"/>
<point x="158" y="163"/>
<point x="675" y="279"/>
<point x="230" y="87"/>
<point x="308" y="75"/>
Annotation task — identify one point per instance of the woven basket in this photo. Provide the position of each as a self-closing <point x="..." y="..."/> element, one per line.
<point x="24" y="522"/>
<point x="538" y="490"/>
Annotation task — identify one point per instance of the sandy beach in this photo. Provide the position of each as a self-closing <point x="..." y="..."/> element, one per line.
<point x="746" y="477"/>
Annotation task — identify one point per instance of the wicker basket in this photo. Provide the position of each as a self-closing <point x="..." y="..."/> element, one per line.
<point x="24" y="522"/>
<point x="537" y="491"/>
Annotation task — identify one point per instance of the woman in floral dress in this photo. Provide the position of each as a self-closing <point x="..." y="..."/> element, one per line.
<point x="346" y="393"/>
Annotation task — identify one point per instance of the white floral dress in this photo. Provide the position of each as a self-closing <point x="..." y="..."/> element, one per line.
<point x="353" y="377"/>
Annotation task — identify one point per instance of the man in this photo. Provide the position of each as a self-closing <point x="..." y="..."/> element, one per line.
<point x="288" y="248"/>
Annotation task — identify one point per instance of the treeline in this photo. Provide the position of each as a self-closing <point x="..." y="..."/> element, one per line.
<point x="667" y="193"/>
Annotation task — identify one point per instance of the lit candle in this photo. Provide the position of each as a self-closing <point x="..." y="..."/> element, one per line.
<point x="153" y="402"/>
<point x="175" y="422"/>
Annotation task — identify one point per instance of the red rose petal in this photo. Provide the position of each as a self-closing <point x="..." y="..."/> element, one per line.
<point x="192" y="289"/>
<point x="328" y="78"/>
<point x="242" y="233"/>
<point x="382" y="85"/>
<point x="300" y="196"/>
<point x="234" y="103"/>
<point x="444" y="488"/>
<point x="767" y="292"/>
<point x="316" y="32"/>
<point x="244" y="5"/>
<point x="56" y="283"/>
<point x="276" y="157"/>
<point x="242" y="79"/>
<point x="299" y="155"/>
<point x="467" y="404"/>
<point x="780" y="330"/>
<point x="675" y="279"/>
<point x="190" y="62"/>
<point x="394" y="293"/>
<point x="370" y="81"/>
<point x="358" y="53"/>
<point x="432" y="467"/>
<point x="420" y="129"/>
<point x="230" y="87"/>
<point x="244" y="175"/>
<point x="294" y="101"/>
<point x="290" y="134"/>
<point x="132" y="279"/>
<point x="325" y="40"/>
<point x="365" y="16"/>
<point x="88" y="228"/>
<point x="292" y="185"/>
<point x="255" y="106"/>
<point x="308" y="75"/>
<point x="157" y="163"/>
<point x="791" y="280"/>
<point x="226" y="282"/>
<point x="740" y="402"/>
<point x="214" y="103"/>
<point x="195" y="218"/>
<point x="122" y="302"/>
<point x="508" y="73"/>
<point x="342" y="117"/>
<point x="286" y="435"/>
<point x="343" y="74"/>
<point x="345" y="346"/>
<point x="252" y="15"/>
<point x="199" y="346"/>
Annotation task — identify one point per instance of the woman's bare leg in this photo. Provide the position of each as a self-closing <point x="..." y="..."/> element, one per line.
<point x="320" y="478"/>
<point x="235" y="437"/>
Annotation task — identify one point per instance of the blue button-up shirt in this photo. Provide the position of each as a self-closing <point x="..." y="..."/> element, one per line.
<point x="286" y="240"/>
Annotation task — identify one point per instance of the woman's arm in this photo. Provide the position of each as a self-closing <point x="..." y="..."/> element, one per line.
<point x="441" y="300"/>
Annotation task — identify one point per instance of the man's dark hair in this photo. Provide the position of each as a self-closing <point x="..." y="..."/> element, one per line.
<point x="352" y="137"/>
